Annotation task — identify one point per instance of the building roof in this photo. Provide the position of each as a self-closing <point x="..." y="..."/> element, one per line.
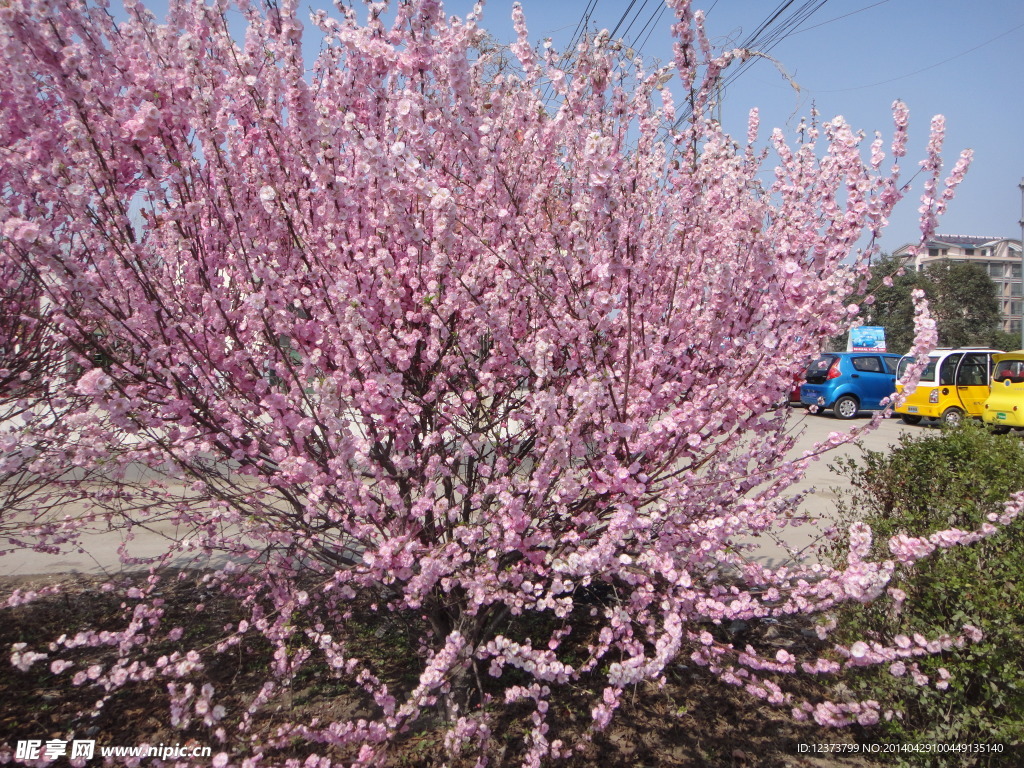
<point x="970" y="241"/>
<point x="960" y="241"/>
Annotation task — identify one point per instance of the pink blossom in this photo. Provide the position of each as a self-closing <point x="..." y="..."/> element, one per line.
<point x="94" y="382"/>
<point x="392" y="330"/>
<point x="973" y="633"/>
<point x="858" y="650"/>
<point x="23" y="659"/>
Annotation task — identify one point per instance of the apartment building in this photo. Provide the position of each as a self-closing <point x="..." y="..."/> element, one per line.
<point x="998" y="256"/>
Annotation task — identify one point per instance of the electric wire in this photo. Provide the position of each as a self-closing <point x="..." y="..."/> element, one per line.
<point x="925" y="69"/>
<point x="763" y="40"/>
<point x="839" y="18"/>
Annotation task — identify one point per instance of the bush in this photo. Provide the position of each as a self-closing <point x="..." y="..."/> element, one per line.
<point x="973" y="694"/>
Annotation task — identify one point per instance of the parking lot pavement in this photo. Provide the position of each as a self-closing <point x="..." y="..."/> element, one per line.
<point x="800" y="542"/>
<point x="100" y="552"/>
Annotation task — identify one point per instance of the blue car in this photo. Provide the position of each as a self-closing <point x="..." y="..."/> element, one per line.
<point x="849" y="382"/>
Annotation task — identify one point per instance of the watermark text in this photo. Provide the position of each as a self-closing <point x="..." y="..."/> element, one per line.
<point x="87" y="749"/>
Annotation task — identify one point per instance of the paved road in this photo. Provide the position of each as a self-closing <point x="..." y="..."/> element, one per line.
<point x="801" y="541"/>
<point x="101" y="554"/>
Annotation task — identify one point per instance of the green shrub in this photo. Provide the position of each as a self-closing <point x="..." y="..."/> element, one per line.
<point x="928" y="483"/>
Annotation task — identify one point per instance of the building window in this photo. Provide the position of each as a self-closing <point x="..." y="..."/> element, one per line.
<point x="1015" y="271"/>
<point x="1015" y="289"/>
<point x="1015" y="307"/>
<point x="1015" y="325"/>
<point x="968" y="251"/>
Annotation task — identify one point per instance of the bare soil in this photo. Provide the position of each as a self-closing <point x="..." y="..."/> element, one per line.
<point x="693" y="720"/>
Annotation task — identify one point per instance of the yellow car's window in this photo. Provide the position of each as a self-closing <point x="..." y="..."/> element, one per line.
<point x="947" y="371"/>
<point x="928" y="374"/>
<point x="973" y="371"/>
<point x="1012" y="370"/>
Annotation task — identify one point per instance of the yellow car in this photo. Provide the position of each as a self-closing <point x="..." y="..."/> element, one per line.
<point x="955" y="384"/>
<point x="1004" y="407"/>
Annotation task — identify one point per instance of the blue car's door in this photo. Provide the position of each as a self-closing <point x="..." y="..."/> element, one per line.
<point x="873" y="380"/>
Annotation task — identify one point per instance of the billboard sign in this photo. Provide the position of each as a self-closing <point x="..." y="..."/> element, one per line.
<point x="866" y="338"/>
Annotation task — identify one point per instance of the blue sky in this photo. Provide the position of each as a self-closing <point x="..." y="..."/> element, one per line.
<point x="964" y="60"/>
<point x="853" y="58"/>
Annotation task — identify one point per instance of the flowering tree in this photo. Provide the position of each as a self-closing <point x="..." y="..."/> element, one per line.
<point x="30" y="359"/>
<point x="400" y="330"/>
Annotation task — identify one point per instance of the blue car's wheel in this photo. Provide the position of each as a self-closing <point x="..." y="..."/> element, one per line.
<point x="846" y="407"/>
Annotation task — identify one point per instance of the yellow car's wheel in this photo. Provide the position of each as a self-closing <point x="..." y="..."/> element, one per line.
<point x="952" y="417"/>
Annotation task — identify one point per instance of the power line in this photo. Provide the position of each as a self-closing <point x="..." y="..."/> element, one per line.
<point x="652" y="23"/>
<point x="622" y="19"/>
<point x="771" y="31"/>
<point x="636" y="17"/>
<point x="925" y="69"/>
<point x="764" y="39"/>
<point x="581" y="27"/>
<point x="838" y="18"/>
<point x="578" y="32"/>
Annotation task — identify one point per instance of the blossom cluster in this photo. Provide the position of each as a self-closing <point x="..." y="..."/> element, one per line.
<point x="393" y="328"/>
